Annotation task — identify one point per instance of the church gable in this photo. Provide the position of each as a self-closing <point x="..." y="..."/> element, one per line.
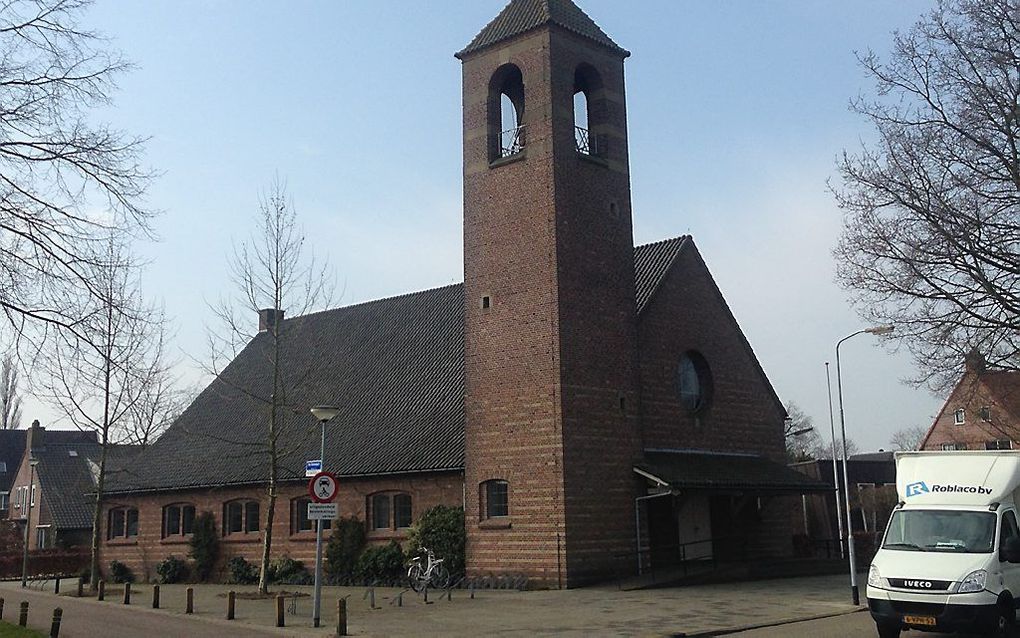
<point x="702" y="386"/>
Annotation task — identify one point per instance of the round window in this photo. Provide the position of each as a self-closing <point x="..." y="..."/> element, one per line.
<point x="694" y="382"/>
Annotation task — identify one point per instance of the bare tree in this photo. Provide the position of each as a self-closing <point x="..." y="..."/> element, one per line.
<point x="58" y="165"/>
<point x="10" y="399"/>
<point x="802" y="441"/>
<point x="270" y="271"/>
<point x="160" y="403"/>
<point x="908" y="438"/>
<point x="932" y="207"/>
<point x="98" y="386"/>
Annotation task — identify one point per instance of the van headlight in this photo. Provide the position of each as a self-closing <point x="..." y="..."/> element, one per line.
<point x="874" y="577"/>
<point x="974" y="581"/>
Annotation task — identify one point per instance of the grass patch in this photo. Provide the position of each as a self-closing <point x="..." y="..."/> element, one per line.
<point x="8" y="630"/>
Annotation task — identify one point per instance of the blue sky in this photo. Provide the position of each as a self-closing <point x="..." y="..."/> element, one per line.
<point x="737" y="112"/>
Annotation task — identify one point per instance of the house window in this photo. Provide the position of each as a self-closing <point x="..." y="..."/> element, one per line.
<point x="33" y="495"/>
<point x="496" y="495"/>
<point x="390" y="510"/>
<point x="958" y="416"/>
<point x="954" y="446"/>
<point x="401" y="510"/>
<point x="122" y="522"/>
<point x="4" y="500"/>
<point x="299" y="521"/>
<point x="40" y="538"/>
<point x="178" y="519"/>
<point x="986" y="413"/>
<point x="241" y="517"/>
<point x="1000" y="444"/>
<point x="381" y="511"/>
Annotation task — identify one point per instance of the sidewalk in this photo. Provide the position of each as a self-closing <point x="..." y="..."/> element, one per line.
<point x="578" y="612"/>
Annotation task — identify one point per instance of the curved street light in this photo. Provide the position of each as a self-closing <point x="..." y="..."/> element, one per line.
<point x="878" y="331"/>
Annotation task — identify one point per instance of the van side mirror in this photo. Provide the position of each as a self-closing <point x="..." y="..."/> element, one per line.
<point x="1010" y="550"/>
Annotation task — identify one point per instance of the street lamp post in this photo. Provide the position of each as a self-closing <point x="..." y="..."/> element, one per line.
<point x="877" y="330"/>
<point x="835" y="467"/>
<point x="323" y="413"/>
<point x="32" y="462"/>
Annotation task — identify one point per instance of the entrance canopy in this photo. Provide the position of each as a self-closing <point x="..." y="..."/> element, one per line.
<point x="724" y="472"/>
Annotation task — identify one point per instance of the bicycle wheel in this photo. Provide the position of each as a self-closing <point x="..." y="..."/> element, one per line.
<point x="440" y="577"/>
<point x="415" y="577"/>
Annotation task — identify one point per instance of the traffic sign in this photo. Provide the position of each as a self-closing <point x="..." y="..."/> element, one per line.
<point x="323" y="487"/>
<point x="323" y="511"/>
<point x="313" y="467"/>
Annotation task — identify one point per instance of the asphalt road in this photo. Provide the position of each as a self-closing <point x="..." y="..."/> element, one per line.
<point x="847" y="626"/>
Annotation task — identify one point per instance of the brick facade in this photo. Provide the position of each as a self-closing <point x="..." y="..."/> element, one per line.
<point x="142" y="553"/>
<point x="981" y="412"/>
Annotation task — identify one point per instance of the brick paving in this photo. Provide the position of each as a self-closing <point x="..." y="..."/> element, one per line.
<point x="577" y="612"/>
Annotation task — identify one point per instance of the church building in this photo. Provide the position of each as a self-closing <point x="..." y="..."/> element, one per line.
<point x="593" y="406"/>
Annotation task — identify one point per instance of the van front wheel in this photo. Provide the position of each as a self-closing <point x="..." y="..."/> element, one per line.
<point x="1005" y="622"/>
<point x="888" y="631"/>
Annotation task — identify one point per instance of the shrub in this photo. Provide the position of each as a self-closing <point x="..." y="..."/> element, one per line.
<point x="242" y="572"/>
<point x="441" y="529"/>
<point x="287" y="571"/>
<point x="119" y="573"/>
<point x="205" y="545"/>
<point x="172" y="570"/>
<point x="384" y="564"/>
<point x="345" y="543"/>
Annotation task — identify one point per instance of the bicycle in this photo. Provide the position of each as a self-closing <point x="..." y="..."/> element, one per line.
<point x="432" y="574"/>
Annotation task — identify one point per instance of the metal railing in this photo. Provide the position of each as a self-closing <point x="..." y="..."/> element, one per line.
<point x="585" y="142"/>
<point x="511" y="141"/>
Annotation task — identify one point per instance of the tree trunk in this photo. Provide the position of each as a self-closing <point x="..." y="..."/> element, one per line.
<point x="267" y="536"/>
<point x="101" y="479"/>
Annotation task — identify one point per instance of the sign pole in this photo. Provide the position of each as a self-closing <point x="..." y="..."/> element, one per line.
<point x="316" y="605"/>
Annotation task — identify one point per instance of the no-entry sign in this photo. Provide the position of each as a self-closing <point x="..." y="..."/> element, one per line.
<point x="323" y="487"/>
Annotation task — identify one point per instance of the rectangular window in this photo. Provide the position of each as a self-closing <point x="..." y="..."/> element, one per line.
<point x="299" y="521"/>
<point x="497" y="499"/>
<point x="40" y="537"/>
<point x="234" y="520"/>
<point x="187" y="519"/>
<point x="33" y="495"/>
<point x="178" y="520"/>
<point x="402" y="511"/>
<point x="1000" y="444"/>
<point x="116" y="523"/>
<point x="173" y="521"/>
<point x="132" y="522"/>
<point x="381" y="511"/>
<point x="4" y="500"/>
<point x="251" y="517"/>
<point x="954" y="446"/>
<point x="958" y="416"/>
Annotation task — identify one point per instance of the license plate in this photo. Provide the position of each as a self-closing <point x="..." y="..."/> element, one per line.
<point x="921" y="621"/>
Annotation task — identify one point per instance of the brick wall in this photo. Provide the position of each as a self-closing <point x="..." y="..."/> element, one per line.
<point x="40" y="511"/>
<point x="141" y="554"/>
<point x="997" y="390"/>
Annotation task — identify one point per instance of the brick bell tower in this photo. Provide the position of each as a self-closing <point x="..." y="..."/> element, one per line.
<point x="551" y="331"/>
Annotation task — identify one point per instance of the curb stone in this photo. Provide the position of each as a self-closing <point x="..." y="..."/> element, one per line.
<point x="777" y="623"/>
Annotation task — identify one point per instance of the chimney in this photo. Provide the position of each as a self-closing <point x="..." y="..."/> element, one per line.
<point x="34" y="439"/>
<point x="268" y="318"/>
<point x="975" y="361"/>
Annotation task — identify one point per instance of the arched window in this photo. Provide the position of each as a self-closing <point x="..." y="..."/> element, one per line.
<point x="122" y="522"/>
<point x="506" y="112"/>
<point x="299" y="521"/>
<point x="241" y="517"/>
<point x="178" y="519"/>
<point x="389" y="511"/>
<point x="588" y="120"/>
<point x="694" y="382"/>
<point x="495" y="498"/>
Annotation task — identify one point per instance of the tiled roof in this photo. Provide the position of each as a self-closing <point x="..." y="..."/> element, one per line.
<point x="521" y="16"/>
<point x="395" y="367"/>
<point x="12" y="448"/>
<point x="711" y="471"/>
<point x="651" y="262"/>
<point x="66" y="480"/>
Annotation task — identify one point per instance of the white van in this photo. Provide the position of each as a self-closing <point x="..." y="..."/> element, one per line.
<point x="950" y="559"/>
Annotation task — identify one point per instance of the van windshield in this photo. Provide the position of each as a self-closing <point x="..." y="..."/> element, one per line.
<point x="941" y="531"/>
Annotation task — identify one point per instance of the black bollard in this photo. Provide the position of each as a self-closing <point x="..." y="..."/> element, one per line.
<point x="81" y="585"/>
<point x="190" y="605"/>
<point x="341" y="617"/>
<point x="155" y="596"/>
<point x="56" y="586"/>
<point x="1" y="608"/>
<point x="58" y="613"/>
<point x="279" y="610"/>
<point x="127" y="593"/>
<point x="230" y="605"/>
<point x="102" y="590"/>
<point x="23" y="615"/>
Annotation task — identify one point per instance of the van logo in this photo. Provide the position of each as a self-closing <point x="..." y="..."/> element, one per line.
<point x="917" y="584"/>
<point x="914" y="489"/>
